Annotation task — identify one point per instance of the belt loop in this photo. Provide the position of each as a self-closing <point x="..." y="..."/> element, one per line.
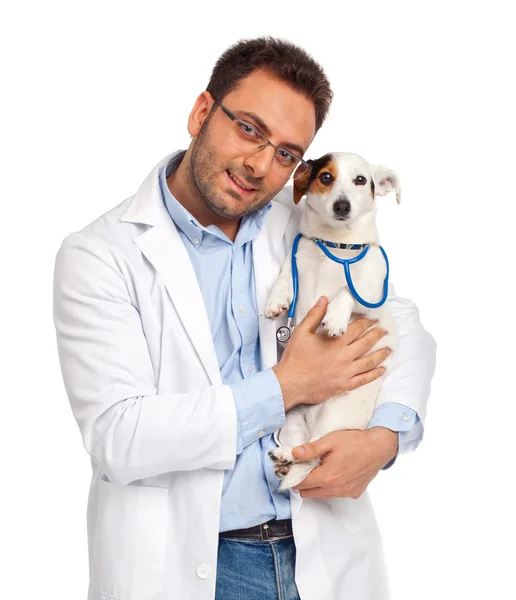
<point x="264" y="532"/>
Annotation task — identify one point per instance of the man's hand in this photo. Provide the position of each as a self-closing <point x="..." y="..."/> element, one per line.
<point x="351" y="459"/>
<point x="315" y="367"/>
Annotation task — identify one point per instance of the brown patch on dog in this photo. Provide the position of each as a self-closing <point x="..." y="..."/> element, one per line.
<point x="309" y="179"/>
<point x="317" y="187"/>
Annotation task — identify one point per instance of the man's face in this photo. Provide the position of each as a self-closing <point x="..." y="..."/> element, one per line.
<point x="260" y="99"/>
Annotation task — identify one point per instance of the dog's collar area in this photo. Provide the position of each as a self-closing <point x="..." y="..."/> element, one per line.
<point x="343" y="246"/>
<point x="283" y="333"/>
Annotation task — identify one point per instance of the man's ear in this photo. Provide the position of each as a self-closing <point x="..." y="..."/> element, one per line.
<point x="301" y="177"/>
<point x="386" y="181"/>
<point x="200" y="112"/>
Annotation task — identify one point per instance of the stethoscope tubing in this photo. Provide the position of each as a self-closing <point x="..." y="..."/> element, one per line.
<point x="345" y="262"/>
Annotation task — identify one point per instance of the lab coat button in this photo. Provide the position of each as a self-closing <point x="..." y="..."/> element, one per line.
<point x="250" y="368"/>
<point x="242" y="309"/>
<point x="203" y="571"/>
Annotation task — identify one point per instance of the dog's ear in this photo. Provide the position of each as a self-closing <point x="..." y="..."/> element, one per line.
<point x="385" y="181"/>
<point x="301" y="178"/>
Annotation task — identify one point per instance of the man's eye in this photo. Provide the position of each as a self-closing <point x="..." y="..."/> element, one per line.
<point x="360" y="180"/>
<point x="285" y="157"/>
<point x="247" y="130"/>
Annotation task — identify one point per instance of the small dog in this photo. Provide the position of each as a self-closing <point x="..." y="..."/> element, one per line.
<point x="340" y="208"/>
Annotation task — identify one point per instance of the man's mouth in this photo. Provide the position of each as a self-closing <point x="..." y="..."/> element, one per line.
<point x="240" y="184"/>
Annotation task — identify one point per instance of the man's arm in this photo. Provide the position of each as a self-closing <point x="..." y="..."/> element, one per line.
<point x="403" y="397"/>
<point x="398" y="419"/>
<point x="364" y="453"/>
<point x="127" y="427"/>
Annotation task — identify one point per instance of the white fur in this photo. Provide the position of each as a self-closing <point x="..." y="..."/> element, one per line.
<point x="320" y="276"/>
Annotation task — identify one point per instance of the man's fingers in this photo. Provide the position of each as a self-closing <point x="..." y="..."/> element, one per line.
<point x="363" y="378"/>
<point x="312" y="480"/>
<point x="314" y="316"/>
<point x="366" y="363"/>
<point x="357" y="328"/>
<point x="316" y="492"/>
<point x="366" y="342"/>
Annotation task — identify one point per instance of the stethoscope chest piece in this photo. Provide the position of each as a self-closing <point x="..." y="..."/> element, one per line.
<point x="283" y="334"/>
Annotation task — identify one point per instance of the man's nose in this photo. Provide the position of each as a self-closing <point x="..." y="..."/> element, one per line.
<point x="260" y="162"/>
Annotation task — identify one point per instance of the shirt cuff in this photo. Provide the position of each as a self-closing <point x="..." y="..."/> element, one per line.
<point x="259" y="406"/>
<point x="402" y="419"/>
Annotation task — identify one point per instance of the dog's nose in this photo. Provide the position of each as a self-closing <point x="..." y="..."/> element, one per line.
<point x="341" y="208"/>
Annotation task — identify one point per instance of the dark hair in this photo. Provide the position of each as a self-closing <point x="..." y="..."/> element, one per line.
<point x="288" y="62"/>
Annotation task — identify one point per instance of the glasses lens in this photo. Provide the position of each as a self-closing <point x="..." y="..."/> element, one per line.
<point x="246" y="136"/>
<point x="300" y="171"/>
<point x="251" y="140"/>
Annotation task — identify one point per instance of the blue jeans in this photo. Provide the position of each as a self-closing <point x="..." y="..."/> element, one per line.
<point x="249" y="569"/>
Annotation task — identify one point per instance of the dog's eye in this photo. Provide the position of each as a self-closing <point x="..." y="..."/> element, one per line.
<point x="360" y="180"/>
<point x="326" y="178"/>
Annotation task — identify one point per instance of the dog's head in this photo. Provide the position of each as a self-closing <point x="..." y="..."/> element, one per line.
<point x="341" y="187"/>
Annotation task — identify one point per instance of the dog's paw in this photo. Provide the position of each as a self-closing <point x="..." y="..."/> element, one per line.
<point x="296" y="473"/>
<point x="284" y="459"/>
<point x="278" y="304"/>
<point x="333" y="322"/>
<point x="282" y="456"/>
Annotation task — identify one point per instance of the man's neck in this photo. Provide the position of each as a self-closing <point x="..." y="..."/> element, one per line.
<point x="180" y="187"/>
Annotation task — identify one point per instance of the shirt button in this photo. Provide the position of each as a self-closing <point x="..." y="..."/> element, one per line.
<point x="250" y="368"/>
<point x="405" y="417"/>
<point x="261" y="433"/>
<point x="203" y="571"/>
<point x="242" y="309"/>
<point x="196" y="240"/>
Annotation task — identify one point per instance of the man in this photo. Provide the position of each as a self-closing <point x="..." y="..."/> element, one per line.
<point x="173" y="375"/>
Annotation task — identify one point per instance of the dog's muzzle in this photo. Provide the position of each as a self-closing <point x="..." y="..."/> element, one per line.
<point x="341" y="209"/>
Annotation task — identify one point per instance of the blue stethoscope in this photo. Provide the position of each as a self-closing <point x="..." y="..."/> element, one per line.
<point x="284" y="332"/>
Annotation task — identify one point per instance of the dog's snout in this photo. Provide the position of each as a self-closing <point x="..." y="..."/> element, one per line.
<point x="341" y="208"/>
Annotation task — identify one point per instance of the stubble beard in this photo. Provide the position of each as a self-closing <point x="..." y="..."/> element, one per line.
<point x="203" y="172"/>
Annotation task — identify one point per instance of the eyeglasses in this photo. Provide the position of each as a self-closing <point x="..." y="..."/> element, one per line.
<point x="251" y="140"/>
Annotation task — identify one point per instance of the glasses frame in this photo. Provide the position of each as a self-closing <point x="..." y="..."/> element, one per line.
<point x="233" y="117"/>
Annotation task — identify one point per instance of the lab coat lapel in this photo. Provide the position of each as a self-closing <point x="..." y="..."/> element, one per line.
<point x="267" y="260"/>
<point x="163" y="247"/>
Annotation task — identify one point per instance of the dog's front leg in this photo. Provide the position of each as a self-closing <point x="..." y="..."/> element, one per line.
<point x="282" y="291"/>
<point x="338" y="313"/>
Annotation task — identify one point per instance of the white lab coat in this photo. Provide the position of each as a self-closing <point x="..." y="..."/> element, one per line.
<point x="142" y="377"/>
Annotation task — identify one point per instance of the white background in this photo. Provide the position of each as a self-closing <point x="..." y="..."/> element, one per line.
<point x="95" y="93"/>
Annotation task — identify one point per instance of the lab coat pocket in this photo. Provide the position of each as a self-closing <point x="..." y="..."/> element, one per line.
<point x="355" y="515"/>
<point x="129" y="545"/>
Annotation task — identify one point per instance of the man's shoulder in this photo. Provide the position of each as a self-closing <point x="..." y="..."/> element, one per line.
<point x="104" y="232"/>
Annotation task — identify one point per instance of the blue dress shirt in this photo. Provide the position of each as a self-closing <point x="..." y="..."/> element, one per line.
<point x="225" y="273"/>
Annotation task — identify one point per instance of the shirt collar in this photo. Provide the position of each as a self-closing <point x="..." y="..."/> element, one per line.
<point x="188" y="224"/>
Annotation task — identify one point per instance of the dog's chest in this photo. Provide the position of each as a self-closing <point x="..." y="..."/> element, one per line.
<point x="320" y="275"/>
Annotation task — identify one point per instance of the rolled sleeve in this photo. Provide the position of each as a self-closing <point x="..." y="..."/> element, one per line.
<point x="259" y="406"/>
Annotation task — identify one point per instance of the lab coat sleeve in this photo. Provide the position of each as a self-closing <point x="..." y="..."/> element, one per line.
<point x="413" y="366"/>
<point x="127" y="427"/>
